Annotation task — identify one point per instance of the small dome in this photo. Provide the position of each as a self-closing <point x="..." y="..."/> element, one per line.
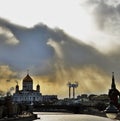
<point x="27" y="79"/>
<point x="38" y="85"/>
<point x="17" y="86"/>
<point x="38" y="88"/>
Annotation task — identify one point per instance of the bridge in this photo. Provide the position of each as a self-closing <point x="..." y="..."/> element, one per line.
<point x="60" y="108"/>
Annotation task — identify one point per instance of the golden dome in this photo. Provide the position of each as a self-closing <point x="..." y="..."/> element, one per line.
<point x="27" y="79"/>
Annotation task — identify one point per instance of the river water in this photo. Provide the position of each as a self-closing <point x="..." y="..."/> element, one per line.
<point x="69" y="117"/>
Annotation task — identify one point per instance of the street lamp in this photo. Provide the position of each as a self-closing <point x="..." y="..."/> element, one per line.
<point x="111" y="111"/>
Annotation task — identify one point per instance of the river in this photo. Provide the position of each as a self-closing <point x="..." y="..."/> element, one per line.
<point x="69" y="117"/>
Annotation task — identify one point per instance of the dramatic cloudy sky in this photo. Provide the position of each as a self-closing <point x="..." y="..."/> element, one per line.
<point x="60" y="41"/>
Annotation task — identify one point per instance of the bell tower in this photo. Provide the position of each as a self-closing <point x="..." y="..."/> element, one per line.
<point x="113" y="86"/>
<point x="113" y="92"/>
<point x="17" y="88"/>
<point x="38" y="88"/>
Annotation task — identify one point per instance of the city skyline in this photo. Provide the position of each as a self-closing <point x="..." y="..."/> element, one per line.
<point x="60" y="41"/>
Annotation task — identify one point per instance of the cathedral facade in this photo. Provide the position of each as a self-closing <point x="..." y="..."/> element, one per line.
<point x="27" y="94"/>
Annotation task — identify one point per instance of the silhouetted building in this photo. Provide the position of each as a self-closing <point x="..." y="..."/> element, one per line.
<point x="114" y="94"/>
<point x="27" y="94"/>
<point x="49" y="98"/>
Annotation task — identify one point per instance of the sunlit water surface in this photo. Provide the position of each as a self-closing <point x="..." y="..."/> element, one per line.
<point x="69" y="117"/>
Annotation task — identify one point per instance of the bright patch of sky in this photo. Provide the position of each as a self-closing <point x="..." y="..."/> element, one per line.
<point x="66" y="14"/>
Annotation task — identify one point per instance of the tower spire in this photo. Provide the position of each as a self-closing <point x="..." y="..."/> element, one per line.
<point x="113" y="86"/>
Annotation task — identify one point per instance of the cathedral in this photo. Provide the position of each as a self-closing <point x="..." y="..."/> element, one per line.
<point x="27" y="94"/>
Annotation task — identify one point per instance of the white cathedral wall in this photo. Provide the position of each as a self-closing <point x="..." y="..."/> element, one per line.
<point x="31" y="97"/>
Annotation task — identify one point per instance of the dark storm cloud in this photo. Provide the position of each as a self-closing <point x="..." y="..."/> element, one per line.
<point x="106" y="14"/>
<point x="33" y="49"/>
<point x="53" y="57"/>
<point x="6" y="36"/>
<point x="51" y="52"/>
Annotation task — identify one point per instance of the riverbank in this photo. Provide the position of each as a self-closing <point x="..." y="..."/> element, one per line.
<point x="20" y="118"/>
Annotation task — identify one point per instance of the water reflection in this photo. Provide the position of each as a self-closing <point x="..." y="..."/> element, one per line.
<point x="69" y="117"/>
